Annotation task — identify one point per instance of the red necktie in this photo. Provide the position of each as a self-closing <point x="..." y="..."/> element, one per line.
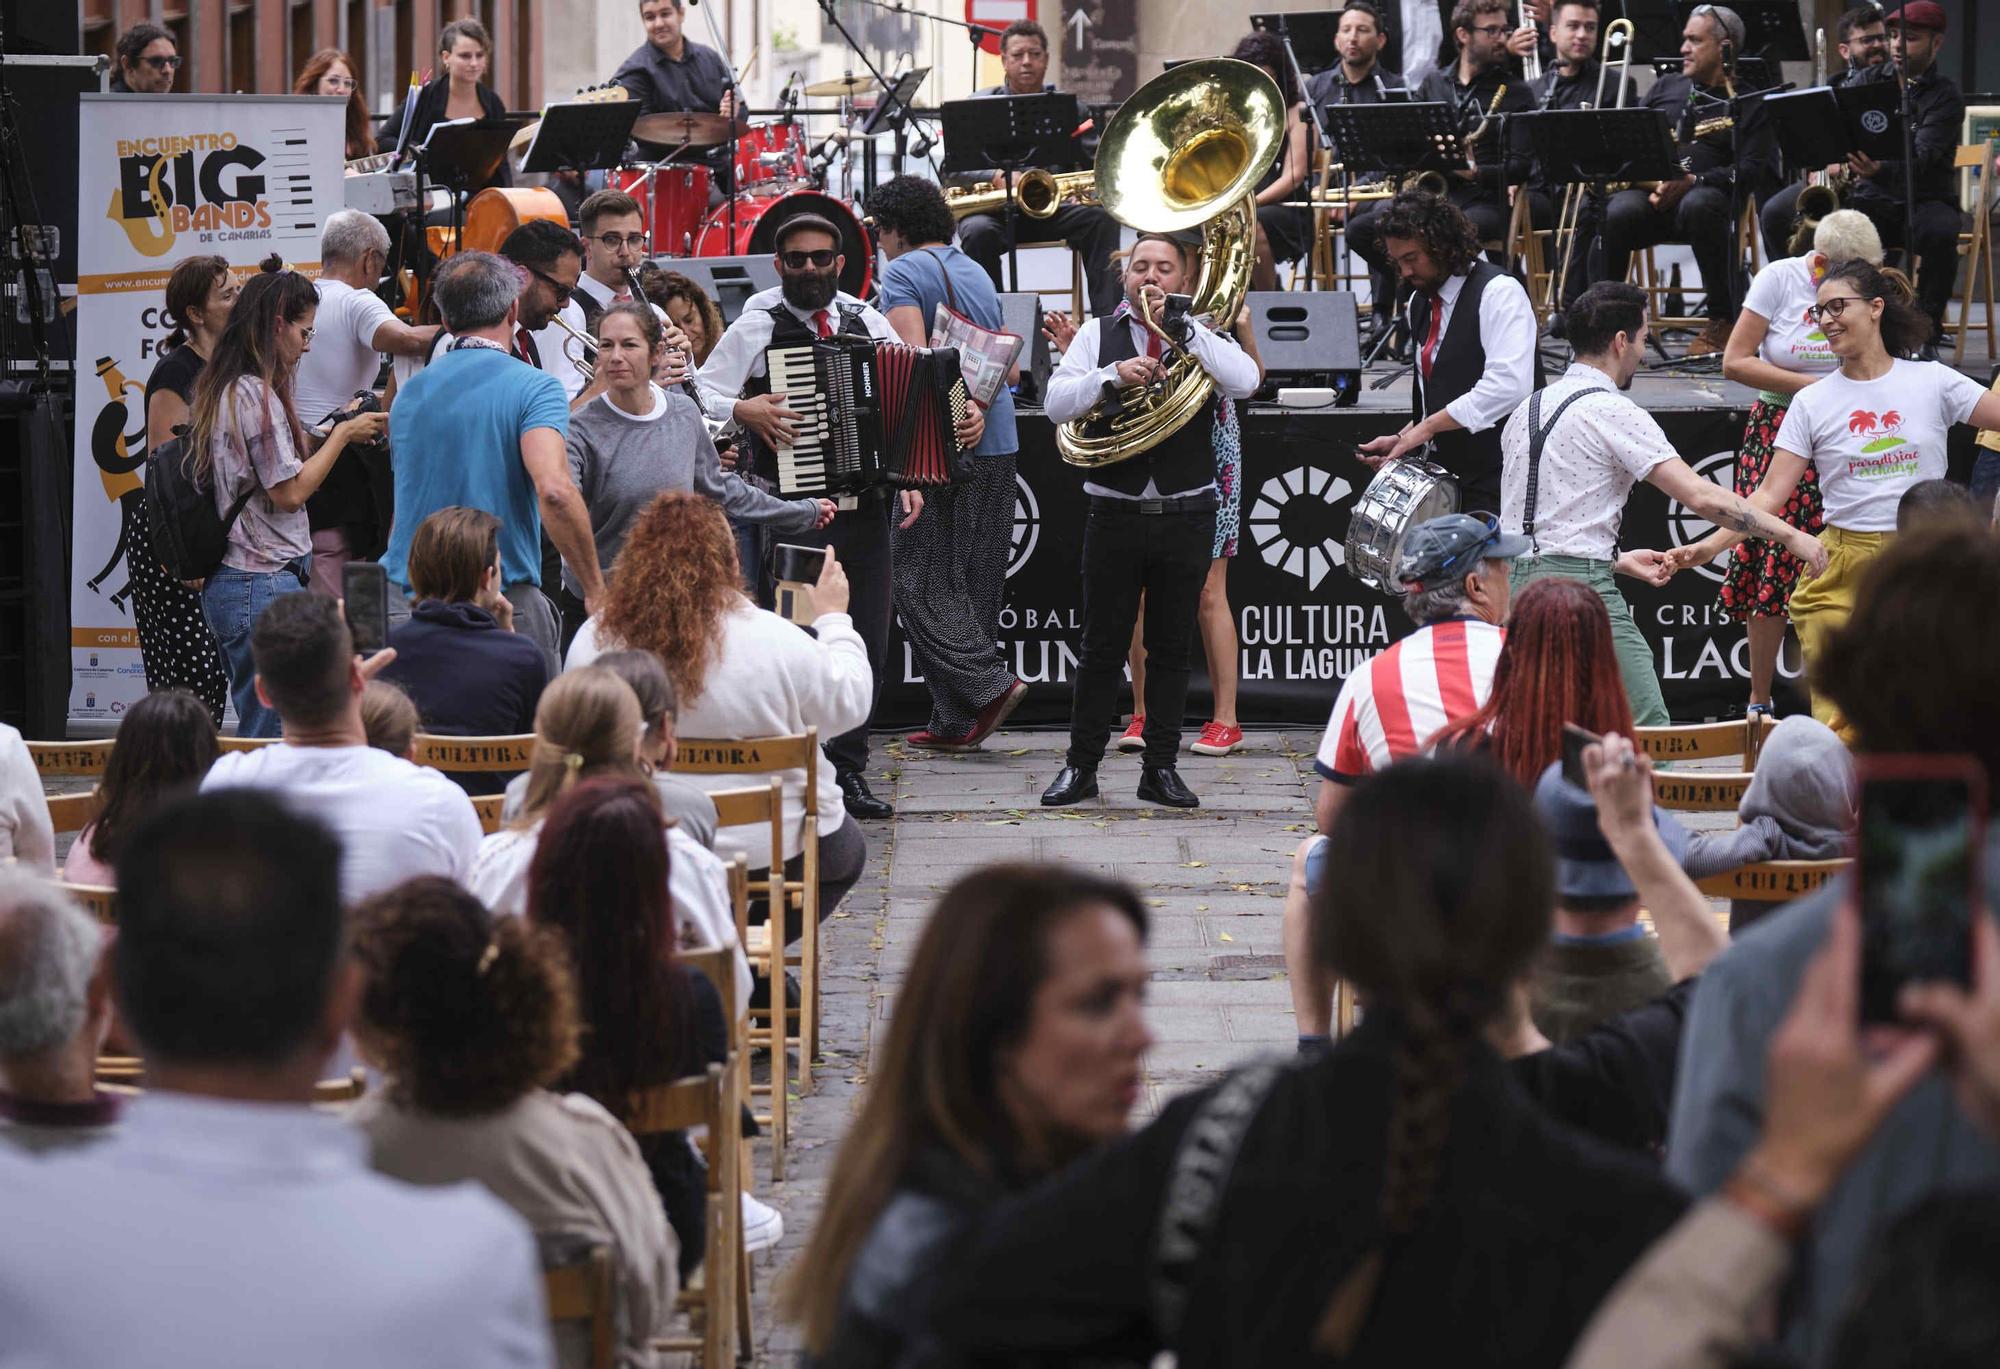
<point x="1154" y="348"/>
<point x="1431" y="337"/>
<point x="521" y="346"/>
<point x="820" y="322"/>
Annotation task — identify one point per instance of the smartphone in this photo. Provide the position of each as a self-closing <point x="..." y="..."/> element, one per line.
<point x="1918" y="858"/>
<point x="1574" y="740"/>
<point x="797" y="565"/>
<point x="364" y="586"/>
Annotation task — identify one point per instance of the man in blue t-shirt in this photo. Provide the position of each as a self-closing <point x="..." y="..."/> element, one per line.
<point x="951" y="563"/>
<point x="481" y="429"/>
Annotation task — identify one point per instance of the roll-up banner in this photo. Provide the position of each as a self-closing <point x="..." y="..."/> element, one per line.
<point x="161" y="178"/>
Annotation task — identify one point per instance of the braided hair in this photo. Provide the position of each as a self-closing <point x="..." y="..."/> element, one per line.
<point x="1446" y="890"/>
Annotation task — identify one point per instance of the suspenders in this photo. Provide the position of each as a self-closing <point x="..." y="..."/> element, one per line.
<point x="1538" y="436"/>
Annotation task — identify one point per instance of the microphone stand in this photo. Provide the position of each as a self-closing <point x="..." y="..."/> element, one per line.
<point x="736" y="89"/>
<point x="1906" y="110"/>
<point x="976" y="32"/>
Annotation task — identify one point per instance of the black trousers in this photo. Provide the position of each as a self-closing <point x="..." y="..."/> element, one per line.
<point x="1703" y="220"/>
<point x="860" y="538"/>
<point x="1091" y="231"/>
<point x="1937" y="224"/>
<point x="1127" y="553"/>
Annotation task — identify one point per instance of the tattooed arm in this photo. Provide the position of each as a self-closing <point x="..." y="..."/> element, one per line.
<point x="1737" y="518"/>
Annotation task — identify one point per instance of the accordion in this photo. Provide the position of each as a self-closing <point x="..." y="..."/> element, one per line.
<point x="870" y="413"/>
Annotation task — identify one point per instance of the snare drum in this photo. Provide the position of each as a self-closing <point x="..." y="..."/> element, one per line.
<point x="673" y="199"/>
<point x="1403" y="494"/>
<point x="771" y="159"/>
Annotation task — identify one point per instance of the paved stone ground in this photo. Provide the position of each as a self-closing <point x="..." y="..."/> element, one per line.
<point x="1215" y="879"/>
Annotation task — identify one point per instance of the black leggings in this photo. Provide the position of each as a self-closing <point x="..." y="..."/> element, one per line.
<point x="842" y="854"/>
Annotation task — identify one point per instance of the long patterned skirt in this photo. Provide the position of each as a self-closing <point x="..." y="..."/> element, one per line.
<point x="1758" y="583"/>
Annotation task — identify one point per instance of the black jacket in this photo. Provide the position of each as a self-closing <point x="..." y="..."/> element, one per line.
<point x="1746" y="161"/>
<point x="1940" y="115"/>
<point x="1497" y="171"/>
<point x="431" y="103"/>
<point x="467" y="677"/>
<point x="1529" y="1226"/>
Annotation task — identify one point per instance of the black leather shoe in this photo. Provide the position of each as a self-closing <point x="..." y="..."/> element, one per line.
<point x="860" y="800"/>
<point x="1072" y="784"/>
<point x="1163" y="784"/>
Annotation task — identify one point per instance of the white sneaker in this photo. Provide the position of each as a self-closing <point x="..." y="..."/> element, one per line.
<point x="763" y="1225"/>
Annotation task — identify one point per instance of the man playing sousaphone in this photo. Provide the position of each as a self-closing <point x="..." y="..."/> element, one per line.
<point x="1474" y="333"/>
<point x="1151" y="527"/>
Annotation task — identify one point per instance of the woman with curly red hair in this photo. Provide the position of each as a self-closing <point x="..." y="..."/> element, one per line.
<point x="1557" y="667"/>
<point x="741" y="671"/>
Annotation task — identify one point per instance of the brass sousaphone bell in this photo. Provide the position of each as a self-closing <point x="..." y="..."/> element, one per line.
<point x="1184" y="152"/>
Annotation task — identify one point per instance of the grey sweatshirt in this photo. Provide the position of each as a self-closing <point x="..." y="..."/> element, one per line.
<point x="621" y="463"/>
<point x="1799" y="806"/>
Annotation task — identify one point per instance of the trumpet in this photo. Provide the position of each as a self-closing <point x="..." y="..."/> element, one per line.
<point x="585" y="357"/>
<point x="1037" y="194"/>
<point x="1429" y="182"/>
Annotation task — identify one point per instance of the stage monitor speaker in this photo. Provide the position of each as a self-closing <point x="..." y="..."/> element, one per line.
<point x="1021" y="315"/>
<point x="730" y="281"/>
<point x="1308" y="338"/>
<point x="43" y="27"/>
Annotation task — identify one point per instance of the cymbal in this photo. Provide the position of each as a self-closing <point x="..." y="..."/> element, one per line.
<point x="696" y="127"/>
<point x="844" y="85"/>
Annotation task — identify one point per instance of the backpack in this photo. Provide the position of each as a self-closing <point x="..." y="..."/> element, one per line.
<point x="189" y="537"/>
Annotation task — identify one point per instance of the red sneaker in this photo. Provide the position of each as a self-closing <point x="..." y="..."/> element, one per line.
<point x="1217" y="739"/>
<point x="930" y="741"/>
<point x="995" y="713"/>
<point x="1135" y="735"/>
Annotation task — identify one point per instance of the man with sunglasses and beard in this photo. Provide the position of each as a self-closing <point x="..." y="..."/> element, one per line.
<point x="735" y="383"/>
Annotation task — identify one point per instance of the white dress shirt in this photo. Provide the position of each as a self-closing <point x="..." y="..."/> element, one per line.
<point x="1506" y="336"/>
<point x="558" y="349"/>
<point x="739" y="357"/>
<point x="1078" y="383"/>
<point x="1604" y="446"/>
<point x="222" y="1235"/>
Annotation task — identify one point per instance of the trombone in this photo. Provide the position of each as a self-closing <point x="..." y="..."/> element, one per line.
<point x="1617" y="34"/>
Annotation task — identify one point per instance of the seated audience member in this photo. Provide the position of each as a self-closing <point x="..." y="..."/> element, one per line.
<point x="1914" y="670"/>
<point x="1365" y="1179"/>
<point x="1799" y="806"/>
<point x="686" y="802"/>
<point x="1600" y="962"/>
<point x="395" y="820"/>
<point x="1703" y="1294"/>
<point x="458" y="657"/>
<point x="1928" y="499"/>
<point x="472" y="1018"/>
<point x="741" y="671"/>
<point x="1558" y="666"/>
<point x="164" y="746"/>
<point x="55" y="1012"/>
<point x="590" y="724"/>
<point x="1016" y="1047"/>
<point x="27" y="837"/>
<point x="229" y="1224"/>
<point x="600" y="878"/>
<point x="389" y="719"/>
<point x="1454" y="577"/>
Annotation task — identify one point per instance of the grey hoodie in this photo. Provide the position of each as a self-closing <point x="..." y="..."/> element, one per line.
<point x="1799" y="806"/>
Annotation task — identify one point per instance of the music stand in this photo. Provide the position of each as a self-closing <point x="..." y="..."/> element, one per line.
<point x="1311" y="34"/>
<point x="893" y="110"/>
<point x="1821" y="126"/>
<point x="1603" y="144"/>
<point x="462" y="154"/>
<point x="581" y="137"/>
<point x="1395" y="139"/>
<point x="1008" y="133"/>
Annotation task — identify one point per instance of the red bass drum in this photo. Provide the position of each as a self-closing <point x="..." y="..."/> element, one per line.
<point x="757" y="223"/>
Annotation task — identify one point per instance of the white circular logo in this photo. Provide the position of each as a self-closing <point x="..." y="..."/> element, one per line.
<point x="1874" y="121"/>
<point x="1684" y="526"/>
<point x="1292" y="523"/>
<point x="1027" y="526"/>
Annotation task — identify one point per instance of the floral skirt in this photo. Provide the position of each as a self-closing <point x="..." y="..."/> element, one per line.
<point x="1758" y="583"/>
<point x="1228" y="480"/>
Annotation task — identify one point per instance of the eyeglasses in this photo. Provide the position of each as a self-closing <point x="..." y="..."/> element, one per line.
<point x="613" y="241"/>
<point x="339" y="82"/>
<point x="163" y="63"/>
<point x="799" y="261"/>
<point x="306" y="334"/>
<point x="563" y="292"/>
<point x="1832" y="308"/>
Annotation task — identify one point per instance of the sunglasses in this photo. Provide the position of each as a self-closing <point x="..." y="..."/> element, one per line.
<point x="163" y="63"/>
<point x="563" y="292"/>
<point x="1832" y="308"/>
<point x="613" y="241"/>
<point x="799" y="261"/>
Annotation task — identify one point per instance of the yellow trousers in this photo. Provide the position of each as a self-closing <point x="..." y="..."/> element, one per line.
<point x="1821" y="605"/>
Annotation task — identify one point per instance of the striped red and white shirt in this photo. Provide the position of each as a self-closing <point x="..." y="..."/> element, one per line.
<point x="1400" y="699"/>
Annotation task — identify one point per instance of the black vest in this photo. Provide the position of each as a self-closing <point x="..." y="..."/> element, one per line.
<point x="1459" y="362"/>
<point x="787" y="330"/>
<point x="1185" y="461"/>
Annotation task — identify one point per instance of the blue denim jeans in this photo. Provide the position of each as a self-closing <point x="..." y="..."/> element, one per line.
<point x="1986" y="479"/>
<point x="231" y="601"/>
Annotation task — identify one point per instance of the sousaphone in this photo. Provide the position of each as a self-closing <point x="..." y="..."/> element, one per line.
<point x="1184" y="152"/>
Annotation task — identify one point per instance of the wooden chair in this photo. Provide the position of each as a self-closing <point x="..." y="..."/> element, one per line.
<point x="99" y="900"/>
<point x="1772" y="881"/>
<point x="245" y="743"/>
<point x="73" y="812"/>
<point x="70" y="758"/>
<point x="717" y="964"/>
<point x="348" y="1090"/>
<point x="707" y="1100"/>
<point x="1658" y="285"/>
<point x="476" y="755"/>
<point x="129" y="1071"/>
<point x="1696" y="791"/>
<point x="1976" y="246"/>
<point x="759" y="756"/>
<point x="1706" y="741"/>
<point x="488" y="807"/>
<point x="583" y="1292"/>
<point x="764" y="804"/>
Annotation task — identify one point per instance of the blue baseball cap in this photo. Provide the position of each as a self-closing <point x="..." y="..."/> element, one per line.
<point x="1449" y="545"/>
